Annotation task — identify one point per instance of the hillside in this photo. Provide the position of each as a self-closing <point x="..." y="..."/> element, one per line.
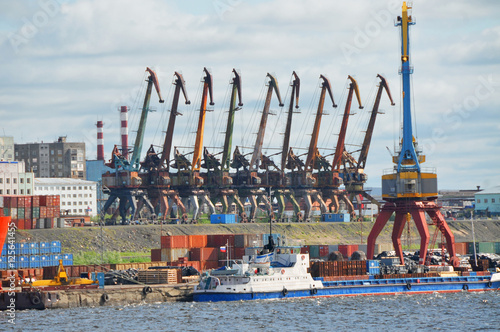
<point x="145" y="237"/>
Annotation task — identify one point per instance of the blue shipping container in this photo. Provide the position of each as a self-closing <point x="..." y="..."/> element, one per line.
<point x="55" y="247"/>
<point x="44" y="248"/>
<point x="223" y="219"/>
<point x="336" y="217"/>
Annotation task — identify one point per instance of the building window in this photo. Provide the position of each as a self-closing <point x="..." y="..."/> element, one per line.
<point x="80" y="210"/>
<point x="22" y="191"/>
<point x="79" y="195"/>
<point x="68" y="188"/>
<point x="21" y="180"/>
<point x="7" y="180"/>
<point x="8" y="191"/>
<point x="479" y="201"/>
<point x="28" y="192"/>
<point x="74" y="203"/>
<point x="1" y="192"/>
<point x="74" y="188"/>
<point x="74" y="195"/>
<point x="1" y="180"/>
<point x="486" y="200"/>
<point x="492" y="200"/>
<point x="74" y="210"/>
<point x="63" y="203"/>
<point x="85" y="187"/>
<point x="28" y="180"/>
<point x="15" y="191"/>
<point x="80" y="203"/>
<point x="14" y="180"/>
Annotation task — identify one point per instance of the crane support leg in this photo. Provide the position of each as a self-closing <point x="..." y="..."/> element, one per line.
<point x="225" y="203"/>
<point x="278" y="194"/>
<point x="371" y="199"/>
<point x="335" y="203"/>
<point x="419" y="218"/>
<point x="206" y="200"/>
<point x="441" y="223"/>
<point x="263" y="198"/>
<point x="348" y="204"/>
<point x="253" y="207"/>
<point x="321" y="202"/>
<point x="164" y="206"/>
<point x="296" y="206"/>
<point x="196" y="208"/>
<point x="383" y="217"/>
<point x="397" y="230"/>
<point x="308" y="201"/>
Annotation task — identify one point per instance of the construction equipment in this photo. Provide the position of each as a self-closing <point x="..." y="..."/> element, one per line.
<point x="61" y="280"/>
<point x="353" y="173"/>
<point x="125" y="184"/>
<point x="407" y="188"/>
<point x="247" y="180"/>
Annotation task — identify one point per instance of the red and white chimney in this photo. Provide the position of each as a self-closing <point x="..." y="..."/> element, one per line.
<point x="100" y="141"/>
<point x="124" y="130"/>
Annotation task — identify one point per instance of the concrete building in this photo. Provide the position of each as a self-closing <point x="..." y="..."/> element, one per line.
<point x="488" y="202"/>
<point x="78" y="197"/>
<point x="60" y="159"/>
<point x="6" y="148"/>
<point x="13" y="179"/>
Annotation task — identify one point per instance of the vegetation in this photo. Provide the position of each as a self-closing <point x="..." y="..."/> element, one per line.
<point x="110" y="257"/>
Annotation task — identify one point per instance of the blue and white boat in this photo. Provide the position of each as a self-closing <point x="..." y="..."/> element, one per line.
<point x="283" y="273"/>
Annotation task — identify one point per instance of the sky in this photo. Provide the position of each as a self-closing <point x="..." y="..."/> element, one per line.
<point x="67" y="64"/>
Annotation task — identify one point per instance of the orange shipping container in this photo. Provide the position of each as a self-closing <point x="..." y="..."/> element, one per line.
<point x="197" y="241"/>
<point x="43" y="211"/>
<point x="175" y="241"/>
<point x="155" y="255"/>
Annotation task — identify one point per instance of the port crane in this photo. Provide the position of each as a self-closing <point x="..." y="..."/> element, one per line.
<point x="218" y="180"/>
<point x="302" y="179"/>
<point x="247" y="180"/>
<point x="125" y="183"/>
<point x="188" y="181"/>
<point x="329" y="179"/>
<point x="353" y="173"/>
<point x="408" y="188"/>
<point x="156" y="167"/>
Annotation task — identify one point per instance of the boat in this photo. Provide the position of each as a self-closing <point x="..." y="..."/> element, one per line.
<point x="287" y="276"/>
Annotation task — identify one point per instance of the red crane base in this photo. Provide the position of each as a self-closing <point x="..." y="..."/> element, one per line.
<point x="417" y="209"/>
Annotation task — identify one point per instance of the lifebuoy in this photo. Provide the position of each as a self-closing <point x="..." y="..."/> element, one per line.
<point x="35" y="299"/>
<point x="303" y="257"/>
<point x="489" y="283"/>
<point x="105" y="297"/>
<point x="465" y="287"/>
<point x="285" y="292"/>
<point x="282" y="271"/>
<point x="314" y="291"/>
<point x="147" y="290"/>
<point x="408" y="286"/>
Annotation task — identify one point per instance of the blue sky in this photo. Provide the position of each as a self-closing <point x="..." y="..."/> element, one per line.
<point x="67" y="64"/>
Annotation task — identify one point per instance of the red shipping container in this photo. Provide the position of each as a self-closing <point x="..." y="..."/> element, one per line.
<point x="35" y="201"/>
<point x="57" y="212"/>
<point x="50" y="212"/>
<point x="43" y="211"/>
<point x="347" y="249"/>
<point x="27" y="213"/>
<point x="43" y="200"/>
<point x="20" y="224"/>
<point x="27" y="201"/>
<point x="304" y="250"/>
<point x="1" y="212"/>
<point x="10" y="201"/>
<point x="324" y="251"/>
<point x="204" y="254"/>
<point x="197" y="241"/>
<point x="219" y="240"/>
<point x="195" y="264"/>
<point x="239" y="253"/>
<point x="175" y="241"/>
<point x="27" y="224"/>
<point x="20" y="201"/>
<point x="155" y="255"/>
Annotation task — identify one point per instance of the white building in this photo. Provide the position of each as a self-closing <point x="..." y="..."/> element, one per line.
<point x="14" y="180"/>
<point x="78" y="197"/>
<point x="7" y="148"/>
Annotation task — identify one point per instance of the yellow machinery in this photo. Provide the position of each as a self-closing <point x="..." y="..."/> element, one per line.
<point x="61" y="279"/>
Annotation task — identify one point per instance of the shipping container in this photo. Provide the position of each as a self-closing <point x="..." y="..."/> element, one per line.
<point x="35" y="201"/>
<point x="44" y="248"/>
<point x="34" y="261"/>
<point x="155" y="255"/>
<point x="43" y="211"/>
<point x="219" y="240"/>
<point x="208" y="265"/>
<point x="34" y="248"/>
<point x="347" y="249"/>
<point x="247" y="240"/>
<point x="49" y="222"/>
<point x="314" y="251"/>
<point x="173" y="254"/>
<point x="304" y="250"/>
<point x="55" y="247"/>
<point x="323" y="251"/>
<point x="174" y="241"/>
<point x="336" y="217"/>
<point x="6" y="212"/>
<point x="197" y="241"/>
<point x="204" y="254"/>
<point x="223" y="219"/>
<point x="13" y="213"/>
<point x="20" y="201"/>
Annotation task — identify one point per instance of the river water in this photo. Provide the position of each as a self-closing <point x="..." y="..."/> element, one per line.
<point x="447" y="312"/>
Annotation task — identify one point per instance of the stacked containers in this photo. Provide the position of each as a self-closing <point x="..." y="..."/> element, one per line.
<point x="34" y="255"/>
<point x="27" y="210"/>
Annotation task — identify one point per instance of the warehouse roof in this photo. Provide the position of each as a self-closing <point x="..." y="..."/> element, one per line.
<point x="62" y="181"/>
<point x="492" y="190"/>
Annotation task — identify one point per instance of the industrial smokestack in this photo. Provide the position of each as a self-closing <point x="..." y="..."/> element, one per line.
<point x="124" y="130"/>
<point x="100" y="141"/>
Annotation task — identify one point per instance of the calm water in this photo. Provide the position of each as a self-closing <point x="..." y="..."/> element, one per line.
<point x="449" y="312"/>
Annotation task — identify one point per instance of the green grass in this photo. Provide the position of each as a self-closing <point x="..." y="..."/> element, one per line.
<point x="110" y="257"/>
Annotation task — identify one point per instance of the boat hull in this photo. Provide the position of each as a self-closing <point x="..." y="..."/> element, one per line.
<point x="361" y="288"/>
